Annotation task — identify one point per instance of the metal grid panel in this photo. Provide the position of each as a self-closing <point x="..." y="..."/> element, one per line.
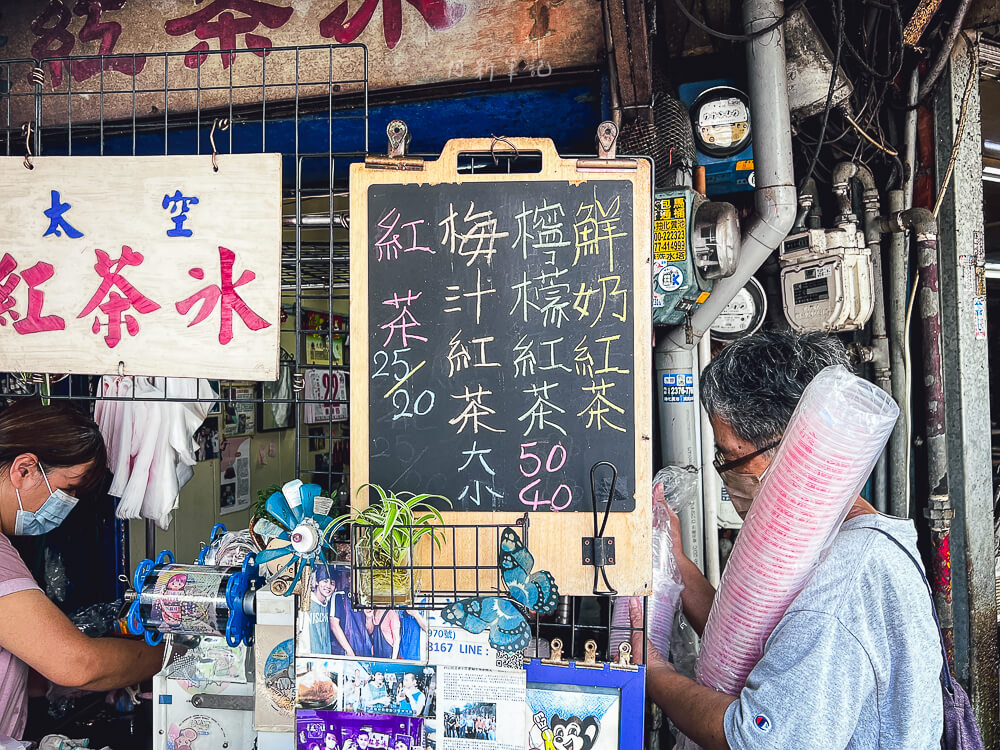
<point x="307" y="117"/>
<point x="319" y="134"/>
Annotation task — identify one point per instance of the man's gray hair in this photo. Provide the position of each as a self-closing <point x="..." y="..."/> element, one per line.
<point x="755" y="382"/>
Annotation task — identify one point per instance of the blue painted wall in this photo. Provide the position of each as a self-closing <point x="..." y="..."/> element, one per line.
<point x="568" y="114"/>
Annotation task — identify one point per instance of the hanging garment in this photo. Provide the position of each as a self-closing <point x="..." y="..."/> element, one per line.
<point x="151" y="448"/>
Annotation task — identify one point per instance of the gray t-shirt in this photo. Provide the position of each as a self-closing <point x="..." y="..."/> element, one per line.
<point x="855" y="662"/>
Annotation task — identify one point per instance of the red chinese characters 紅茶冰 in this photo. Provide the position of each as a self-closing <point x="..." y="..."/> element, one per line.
<point x="116" y="296"/>
<point x="51" y="26"/>
<point x="225" y="296"/>
<point x="32" y="321"/>
<point x="439" y="15"/>
<point x="217" y="21"/>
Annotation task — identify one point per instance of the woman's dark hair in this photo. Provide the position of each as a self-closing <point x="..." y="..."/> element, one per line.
<point x="59" y="434"/>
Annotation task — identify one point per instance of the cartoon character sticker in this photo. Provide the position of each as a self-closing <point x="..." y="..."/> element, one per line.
<point x="198" y="732"/>
<point x="279" y="677"/>
<point x="184" y="602"/>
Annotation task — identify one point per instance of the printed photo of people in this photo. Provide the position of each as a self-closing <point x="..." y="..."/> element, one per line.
<point x="389" y="688"/>
<point x="332" y="627"/>
<point x="336" y="730"/>
<point x="471" y="721"/>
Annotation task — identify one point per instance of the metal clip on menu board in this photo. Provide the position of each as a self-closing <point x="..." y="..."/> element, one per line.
<point x="555" y="654"/>
<point x="625" y="658"/>
<point x="590" y="657"/>
<point x="599" y="550"/>
<point x="396" y="158"/>
<point x="607" y="139"/>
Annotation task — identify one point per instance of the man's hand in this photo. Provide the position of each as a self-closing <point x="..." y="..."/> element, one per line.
<point x="643" y="652"/>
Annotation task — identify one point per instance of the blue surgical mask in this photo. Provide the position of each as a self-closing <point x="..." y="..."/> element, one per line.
<point x="52" y="513"/>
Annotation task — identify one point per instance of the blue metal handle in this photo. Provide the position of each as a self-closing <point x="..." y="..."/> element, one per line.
<point x="134" y="621"/>
<point x="141" y="571"/>
<point x="162" y="557"/>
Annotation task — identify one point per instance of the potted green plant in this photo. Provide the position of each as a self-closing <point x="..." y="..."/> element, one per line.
<point x="384" y="537"/>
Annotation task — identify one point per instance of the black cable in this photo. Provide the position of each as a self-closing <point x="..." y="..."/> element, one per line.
<point x="944" y="54"/>
<point x="839" y="6"/>
<point x="792" y="7"/>
<point x="870" y="69"/>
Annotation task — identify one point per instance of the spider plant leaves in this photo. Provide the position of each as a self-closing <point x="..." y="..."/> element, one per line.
<point x="395" y="522"/>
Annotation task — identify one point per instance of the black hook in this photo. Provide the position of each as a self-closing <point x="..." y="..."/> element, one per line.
<point x="601" y="550"/>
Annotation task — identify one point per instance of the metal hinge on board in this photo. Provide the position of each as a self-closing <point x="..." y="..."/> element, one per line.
<point x="396" y="158"/>
<point x="607" y="144"/>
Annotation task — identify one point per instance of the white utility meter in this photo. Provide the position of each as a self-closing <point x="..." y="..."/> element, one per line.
<point x="827" y="282"/>
<point x="743" y="315"/>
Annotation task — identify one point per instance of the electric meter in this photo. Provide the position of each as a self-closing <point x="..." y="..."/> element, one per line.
<point x="827" y="280"/>
<point x="721" y="119"/>
<point x="695" y="242"/>
<point x="743" y="315"/>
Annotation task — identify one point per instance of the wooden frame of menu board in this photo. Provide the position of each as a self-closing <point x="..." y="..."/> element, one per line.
<point x="502" y="347"/>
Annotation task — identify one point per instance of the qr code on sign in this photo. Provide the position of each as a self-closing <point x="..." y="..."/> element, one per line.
<point x="510" y="660"/>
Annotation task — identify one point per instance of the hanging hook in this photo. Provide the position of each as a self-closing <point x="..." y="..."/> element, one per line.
<point x="121" y="368"/>
<point x="500" y="139"/>
<point x="28" y="128"/>
<point x="223" y="124"/>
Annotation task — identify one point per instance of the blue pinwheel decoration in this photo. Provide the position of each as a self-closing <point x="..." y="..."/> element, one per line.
<point x="301" y="528"/>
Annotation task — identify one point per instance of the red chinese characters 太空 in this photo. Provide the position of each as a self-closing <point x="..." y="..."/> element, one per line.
<point x="224" y="295"/>
<point x="33" y="321"/>
<point x="438" y="14"/>
<point x="52" y="26"/>
<point x="115" y="296"/>
<point x="217" y="21"/>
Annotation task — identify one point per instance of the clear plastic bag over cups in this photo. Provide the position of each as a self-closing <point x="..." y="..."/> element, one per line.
<point x="678" y="487"/>
<point x="829" y="448"/>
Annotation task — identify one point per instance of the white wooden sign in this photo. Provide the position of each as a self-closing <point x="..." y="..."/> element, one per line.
<point x="155" y="263"/>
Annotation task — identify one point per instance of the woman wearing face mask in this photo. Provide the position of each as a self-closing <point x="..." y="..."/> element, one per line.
<point x="50" y="455"/>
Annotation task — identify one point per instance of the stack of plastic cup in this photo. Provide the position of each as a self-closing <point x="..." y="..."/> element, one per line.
<point x="827" y="452"/>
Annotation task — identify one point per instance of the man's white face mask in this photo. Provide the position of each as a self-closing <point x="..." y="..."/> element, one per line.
<point x="741" y="486"/>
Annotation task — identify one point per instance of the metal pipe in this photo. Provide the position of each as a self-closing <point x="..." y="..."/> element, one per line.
<point x="609" y="47"/>
<point x="910" y="141"/>
<point x="775" y="206"/>
<point x="939" y="508"/>
<point x="843" y="173"/>
<point x="680" y="426"/>
<point x="944" y="54"/>
<point x="899" y="442"/>
<point x="711" y="484"/>
<point x="881" y="367"/>
<point x="774" y="197"/>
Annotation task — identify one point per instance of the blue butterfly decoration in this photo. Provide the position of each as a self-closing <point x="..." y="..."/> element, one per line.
<point x="505" y="617"/>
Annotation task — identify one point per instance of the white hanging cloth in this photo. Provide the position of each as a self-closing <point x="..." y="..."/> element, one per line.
<point x="151" y="448"/>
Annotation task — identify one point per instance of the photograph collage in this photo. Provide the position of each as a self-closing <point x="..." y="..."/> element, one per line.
<point x="388" y="678"/>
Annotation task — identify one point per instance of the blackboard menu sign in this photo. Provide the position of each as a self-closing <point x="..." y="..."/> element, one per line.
<point x="507" y="337"/>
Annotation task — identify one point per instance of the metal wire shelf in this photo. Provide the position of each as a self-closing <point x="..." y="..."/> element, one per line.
<point x="425" y="579"/>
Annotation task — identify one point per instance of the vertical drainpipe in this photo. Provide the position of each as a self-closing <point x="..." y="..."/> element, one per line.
<point x="899" y="443"/>
<point x="939" y="509"/>
<point x="843" y="173"/>
<point x="774" y="213"/>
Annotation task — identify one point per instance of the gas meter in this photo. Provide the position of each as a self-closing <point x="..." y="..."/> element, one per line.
<point x="827" y="282"/>
<point x="695" y="241"/>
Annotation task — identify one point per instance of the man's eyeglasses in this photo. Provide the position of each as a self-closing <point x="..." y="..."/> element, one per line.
<point x="722" y="465"/>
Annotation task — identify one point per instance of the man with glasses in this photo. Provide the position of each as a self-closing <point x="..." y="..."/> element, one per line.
<point x="855" y="661"/>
